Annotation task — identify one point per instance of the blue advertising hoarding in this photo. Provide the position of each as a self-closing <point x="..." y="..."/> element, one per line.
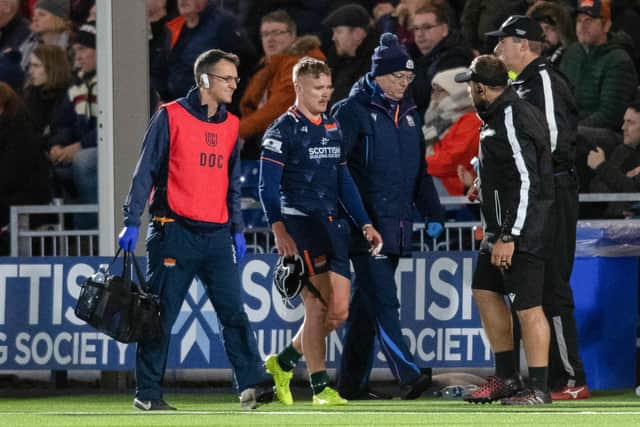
<point x="39" y="330"/>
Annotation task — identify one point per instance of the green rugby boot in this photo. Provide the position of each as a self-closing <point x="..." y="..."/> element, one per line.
<point x="328" y="397"/>
<point x="282" y="379"/>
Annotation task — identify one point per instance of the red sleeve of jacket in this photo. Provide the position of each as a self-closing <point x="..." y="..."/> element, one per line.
<point x="457" y="147"/>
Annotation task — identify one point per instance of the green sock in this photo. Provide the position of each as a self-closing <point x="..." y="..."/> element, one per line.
<point x="319" y="381"/>
<point x="288" y="358"/>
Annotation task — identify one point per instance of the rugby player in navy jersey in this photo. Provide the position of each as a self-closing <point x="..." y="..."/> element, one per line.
<point x="303" y="179"/>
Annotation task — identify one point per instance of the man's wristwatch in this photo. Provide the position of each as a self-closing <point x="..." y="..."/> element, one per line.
<point x="506" y="238"/>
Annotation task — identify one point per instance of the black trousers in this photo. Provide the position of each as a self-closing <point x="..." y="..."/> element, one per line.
<point x="565" y="364"/>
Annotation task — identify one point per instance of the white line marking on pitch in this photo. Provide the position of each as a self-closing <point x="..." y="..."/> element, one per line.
<point x="355" y="412"/>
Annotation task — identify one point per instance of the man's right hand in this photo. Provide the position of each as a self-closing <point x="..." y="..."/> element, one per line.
<point x="285" y="244"/>
<point x="127" y="238"/>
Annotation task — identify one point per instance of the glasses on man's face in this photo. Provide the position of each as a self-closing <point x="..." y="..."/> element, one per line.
<point x="226" y="79"/>
<point x="274" y="33"/>
<point x="424" y="28"/>
<point x="407" y="77"/>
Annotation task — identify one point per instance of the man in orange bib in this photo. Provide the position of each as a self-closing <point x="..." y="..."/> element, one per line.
<point x="191" y="161"/>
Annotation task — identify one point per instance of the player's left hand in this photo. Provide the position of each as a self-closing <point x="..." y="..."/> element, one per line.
<point x="374" y="238"/>
<point x="240" y="244"/>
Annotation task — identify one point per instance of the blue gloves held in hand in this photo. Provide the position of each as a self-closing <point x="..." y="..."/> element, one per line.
<point x="240" y="244"/>
<point x="127" y="238"/>
<point x="434" y="229"/>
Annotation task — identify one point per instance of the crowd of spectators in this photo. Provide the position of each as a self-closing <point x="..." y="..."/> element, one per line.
<point x="48" y="67"/>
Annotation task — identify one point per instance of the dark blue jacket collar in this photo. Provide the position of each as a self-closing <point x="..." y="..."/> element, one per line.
<point x="367" y="91"/>
<point x="194" y="106"/>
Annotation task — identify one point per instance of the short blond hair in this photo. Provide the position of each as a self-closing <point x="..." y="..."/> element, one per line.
<point x="310" y="66"/>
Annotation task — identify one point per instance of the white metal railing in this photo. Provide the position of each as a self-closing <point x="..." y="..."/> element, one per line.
<point x="54" y="239"/>
<point x="51" y="238"/>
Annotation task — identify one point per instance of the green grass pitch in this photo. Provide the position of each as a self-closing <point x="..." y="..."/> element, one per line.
<point x="218" y="409"/>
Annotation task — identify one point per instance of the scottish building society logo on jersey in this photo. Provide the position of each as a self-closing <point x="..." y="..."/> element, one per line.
<point x="316" y="153"/>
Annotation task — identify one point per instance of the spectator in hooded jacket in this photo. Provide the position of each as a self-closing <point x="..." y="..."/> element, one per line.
<point x="270" y="91"/>
<point x="437" y="47"/>
<point x="451" y="131"/>
<point x="23" y="168"/>
<point x="558" y="27"/>
<point x="599" y="67"/>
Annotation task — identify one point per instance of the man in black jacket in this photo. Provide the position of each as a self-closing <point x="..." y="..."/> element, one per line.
<point x="437" y="48"/>
<point x="14" y="28"/>
<point x="515" y="184"/>
<point x="619" y="172"/>
<point x="520" y="47"/>
<point x="349" y="56"/>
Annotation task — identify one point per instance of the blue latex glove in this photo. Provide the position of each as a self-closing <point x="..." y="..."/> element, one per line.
<point x="127" y="238"/>
<point x="241" y="245"/>
<point x="434" y="229"/>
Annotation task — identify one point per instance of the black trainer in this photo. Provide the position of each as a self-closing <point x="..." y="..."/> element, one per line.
<point x="416" y="387"/>
<point x="366" y="394"/>
<point x="264" y="391"/>
<point x="529" y="396"/>
<point x="495" y="388"/>
<point x="152" y="405"/>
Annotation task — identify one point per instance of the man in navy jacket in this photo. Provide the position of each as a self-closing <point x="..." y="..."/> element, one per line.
<point x="381" y="130"/>
<point x="190" y="158"/>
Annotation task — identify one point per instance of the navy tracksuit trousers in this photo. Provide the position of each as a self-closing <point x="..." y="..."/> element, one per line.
<point x="175" y="256"/>
<point x="374" y="312"/>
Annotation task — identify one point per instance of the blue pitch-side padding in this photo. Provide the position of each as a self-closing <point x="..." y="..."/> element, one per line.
<point x="606" y="300"/>
<point x="38" y="329"/>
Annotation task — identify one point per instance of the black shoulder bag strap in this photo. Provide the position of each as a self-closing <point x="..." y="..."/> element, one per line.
<point x="142" y="285"/>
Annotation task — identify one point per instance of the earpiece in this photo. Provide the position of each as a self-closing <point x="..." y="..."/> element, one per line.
<point x="204" y="79"/>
